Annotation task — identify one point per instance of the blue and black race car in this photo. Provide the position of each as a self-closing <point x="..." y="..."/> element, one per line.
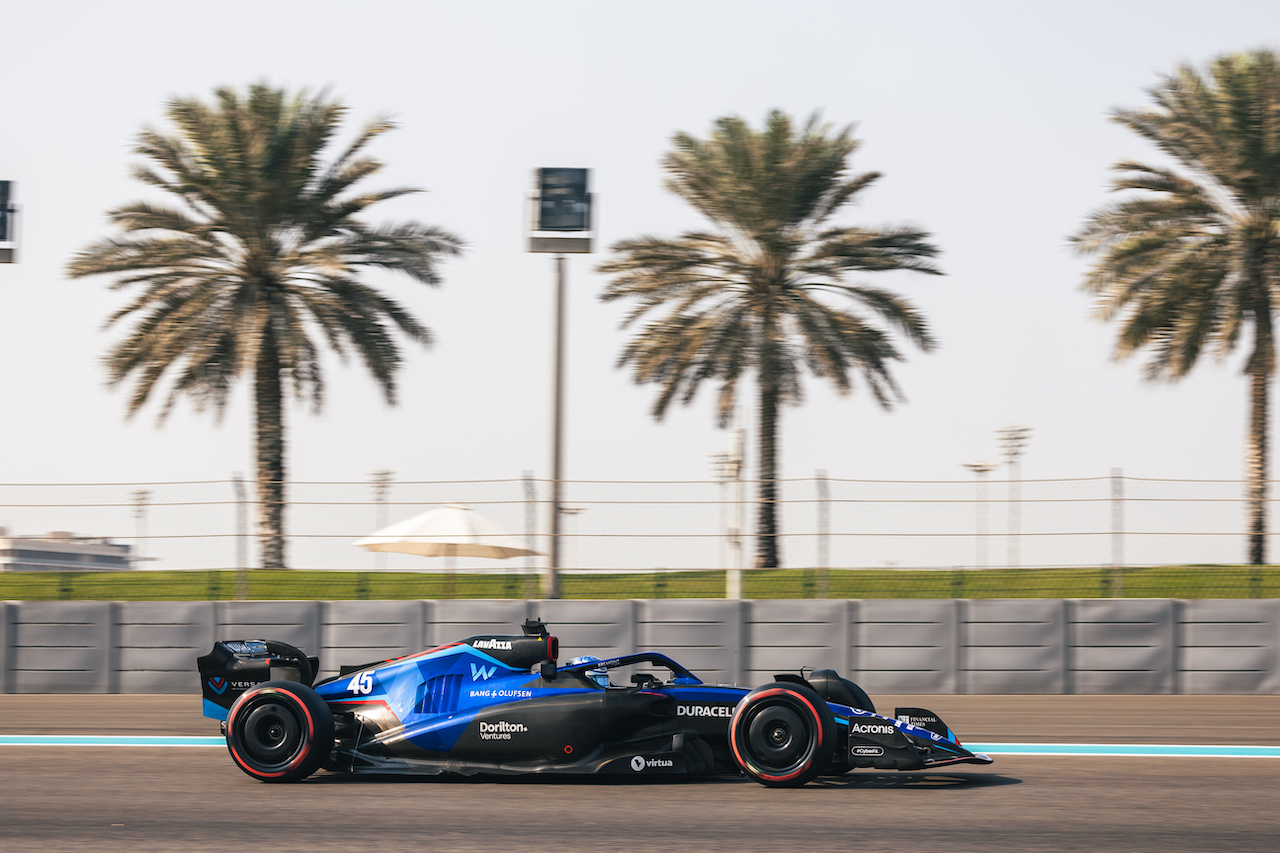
<point x="501" y="704"/>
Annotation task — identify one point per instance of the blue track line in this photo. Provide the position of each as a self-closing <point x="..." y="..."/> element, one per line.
<point x="108" y="740"/>
<point x="1119" y="750"/>
<point x="1128" y="750"/>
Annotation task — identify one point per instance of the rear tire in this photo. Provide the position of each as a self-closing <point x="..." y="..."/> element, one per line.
<point x="279" y="731"/>
<point x="782" y="735"/>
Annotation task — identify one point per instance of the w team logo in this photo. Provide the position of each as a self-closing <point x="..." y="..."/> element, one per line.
<point x="480" y="672"/>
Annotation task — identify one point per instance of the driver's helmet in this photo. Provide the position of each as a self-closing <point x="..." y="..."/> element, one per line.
<point x="599" y="675"/>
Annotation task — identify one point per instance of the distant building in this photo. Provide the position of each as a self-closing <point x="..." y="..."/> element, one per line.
<point x="62" y="552"/>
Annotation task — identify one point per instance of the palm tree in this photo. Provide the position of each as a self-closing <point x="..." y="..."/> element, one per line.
<point x="766" y="290"/>
<point x="260" y="257"/>
<point x="1189" y="261"/>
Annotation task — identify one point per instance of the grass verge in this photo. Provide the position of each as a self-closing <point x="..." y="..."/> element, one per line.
<point x="1141" y="582"/>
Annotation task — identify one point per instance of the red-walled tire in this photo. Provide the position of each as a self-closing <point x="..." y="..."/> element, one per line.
<point x="782" y="735"/>
<point x="279" y="731"/>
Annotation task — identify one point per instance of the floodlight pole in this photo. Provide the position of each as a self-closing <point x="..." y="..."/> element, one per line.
<point x="550" y="582"/>
<point x="8" y="224"/>
<point x="980" y="471"/>
<point x="1013" y="440"/>
<point x="559" y="223"/>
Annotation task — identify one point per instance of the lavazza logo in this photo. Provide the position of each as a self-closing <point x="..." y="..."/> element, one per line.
<point x="503" y="645"/>
<point x="501" y="730"/>
<point x="639" y="763"/>
<point x="872" y="728"/>
<point x="704" y="710"/>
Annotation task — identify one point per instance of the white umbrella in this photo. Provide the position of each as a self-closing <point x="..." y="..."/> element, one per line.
<point x="452" y="530"/>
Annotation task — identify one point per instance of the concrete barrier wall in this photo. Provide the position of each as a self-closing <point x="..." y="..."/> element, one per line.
<point x="889" y="646"/>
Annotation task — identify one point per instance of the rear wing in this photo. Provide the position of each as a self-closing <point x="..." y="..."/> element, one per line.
<point x="234" y="666"/>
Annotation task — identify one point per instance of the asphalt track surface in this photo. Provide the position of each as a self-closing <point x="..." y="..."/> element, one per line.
<point x="179" y="799"/>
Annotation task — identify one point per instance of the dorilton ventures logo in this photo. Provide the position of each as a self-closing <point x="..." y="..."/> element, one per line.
<point x="500" y="645"/>
<point x="501" y="730"/>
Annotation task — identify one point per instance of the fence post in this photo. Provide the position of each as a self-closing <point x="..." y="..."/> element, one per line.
<point x="530" y="531"/>
<point x="1117" y="533"/>
<point x="381" y="491"/>
<point x="824" y="521"/>
<point x="734" y="462"/>
<point x="242" y="540"/>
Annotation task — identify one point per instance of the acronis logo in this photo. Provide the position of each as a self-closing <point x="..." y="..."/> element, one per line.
<point x="480" y="672"/>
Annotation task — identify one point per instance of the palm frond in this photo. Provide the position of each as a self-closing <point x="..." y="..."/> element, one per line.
<point x="1192" y="253"/>
<point x="264" y="252"/>
<point x="746" y="295"/>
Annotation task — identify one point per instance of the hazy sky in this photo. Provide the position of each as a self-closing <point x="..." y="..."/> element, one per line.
<point x="987" y="119"/>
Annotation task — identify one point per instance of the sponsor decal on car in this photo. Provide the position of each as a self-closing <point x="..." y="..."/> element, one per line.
<point x="639" y="763"/>
<point x="500" y="694"/>
<point x="867" y="750"/>
<point x="480" y="672"/>
<point x="704" y="710"/>
<point x="500" y="645"/>
<point x="246" y="647"/>
<point x="501" y="730"/>
<point x="872" y="728"/>
<point x="219" y="685"/>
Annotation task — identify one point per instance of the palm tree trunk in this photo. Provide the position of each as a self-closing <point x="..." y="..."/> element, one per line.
<point x="269" y="424"/>
<point x="1260" y="370"/>
<point x="767" y="556"/>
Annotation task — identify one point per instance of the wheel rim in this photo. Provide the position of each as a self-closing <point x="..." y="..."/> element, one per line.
<point x="778" y="738"/>
<point x="272" y="734"/>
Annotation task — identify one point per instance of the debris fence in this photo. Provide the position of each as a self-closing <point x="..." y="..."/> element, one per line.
<point x="1085" y="537"/>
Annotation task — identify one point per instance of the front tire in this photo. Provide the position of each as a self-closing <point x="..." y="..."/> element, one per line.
<point x="782" y="735"/>
<point x="279" y="731"/>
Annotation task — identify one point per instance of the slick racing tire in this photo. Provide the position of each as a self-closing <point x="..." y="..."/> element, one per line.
<point x="279" y="731"/>
<point x="782" y="735"/>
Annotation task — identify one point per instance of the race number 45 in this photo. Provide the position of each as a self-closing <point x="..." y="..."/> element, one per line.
<point x="362" y="684"/>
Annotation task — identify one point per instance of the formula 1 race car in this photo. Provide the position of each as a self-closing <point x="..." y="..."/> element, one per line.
<point x="502" y="705"/>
